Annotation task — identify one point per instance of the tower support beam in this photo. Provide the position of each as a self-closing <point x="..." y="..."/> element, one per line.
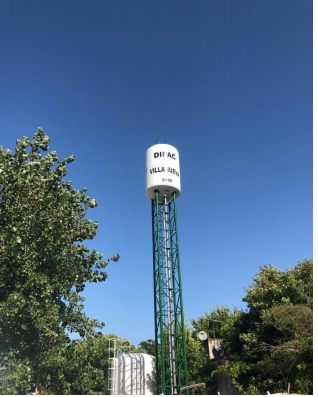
<point x="171" y="361"/>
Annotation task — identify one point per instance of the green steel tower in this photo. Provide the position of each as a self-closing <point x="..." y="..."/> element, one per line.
<point x="163" y="188"/>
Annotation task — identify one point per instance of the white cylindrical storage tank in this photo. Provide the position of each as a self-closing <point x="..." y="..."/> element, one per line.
<point x="133" y="374"/>
<point x="162" y="171"/>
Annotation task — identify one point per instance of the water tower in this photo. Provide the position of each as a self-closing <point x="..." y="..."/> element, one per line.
<point x="162" y="188"/>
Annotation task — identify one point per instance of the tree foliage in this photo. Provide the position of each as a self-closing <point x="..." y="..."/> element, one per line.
<point x="271" y="343"/>
<point x="43" y="265"/>
<point x="199" y="363"/>
<point x="82" y="368"/>
<point x="212" y="321"/>
<point x="148" y="346"/>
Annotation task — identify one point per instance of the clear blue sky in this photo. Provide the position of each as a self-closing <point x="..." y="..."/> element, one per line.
<point x="229" y="83"/>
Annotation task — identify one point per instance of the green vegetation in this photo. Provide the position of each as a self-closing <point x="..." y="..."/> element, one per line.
<point x="199" y="364"/>
<point x="81" y="368"/>
<point x="148" y="346"/>
<point x="272" y="342"/>
<point x="43" y="265"/>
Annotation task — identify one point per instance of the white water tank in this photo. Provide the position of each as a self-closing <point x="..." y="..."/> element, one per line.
<point x="133" y="374"/>
<point x="162" y="171"/>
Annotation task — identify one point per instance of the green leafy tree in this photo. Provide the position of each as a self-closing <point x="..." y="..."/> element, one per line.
<point x="199" y="363"/>
<point x="271" y="343"/>
<point x="212" y="321"/>
<point x="148" y="346"/>
<point x="43" y="265"/>
<point x="81" y="367"/>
